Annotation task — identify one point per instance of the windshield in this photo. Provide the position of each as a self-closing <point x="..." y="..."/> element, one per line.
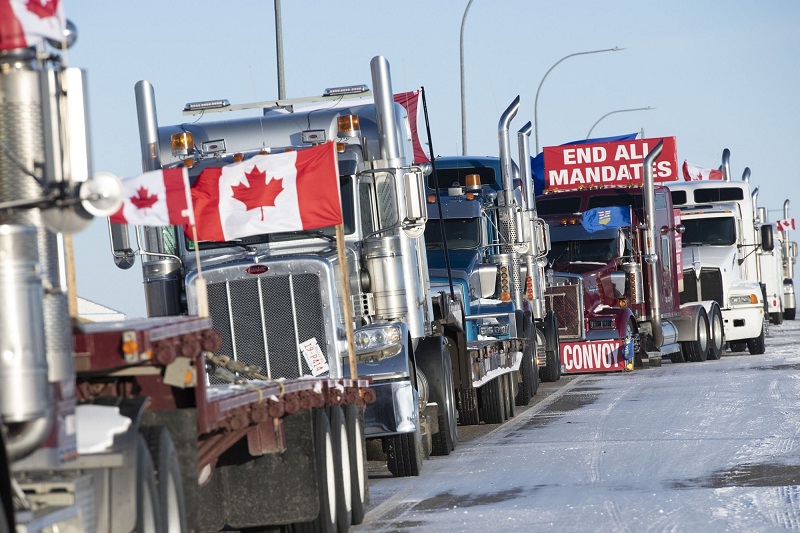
<point x="327" y="233"/>
<point x="595" y="251"/>
<point x="717" y="231"/>
<point x="461" y="233"/>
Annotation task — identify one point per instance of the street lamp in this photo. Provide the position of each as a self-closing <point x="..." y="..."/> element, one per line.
<point x="536" y="101"/>
<point x="463" y="102"/>
<point x="648" y="108"/>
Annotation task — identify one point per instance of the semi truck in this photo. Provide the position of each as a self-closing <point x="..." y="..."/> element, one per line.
<point x="770" y="265"/>
<point x="398" y="339"/>
<point x="789" y="258"/>
<point x="492" y="252"/>
<point x="117" y="426"/>
<point x="615" y="258"/>
<point x="720" y="259"/>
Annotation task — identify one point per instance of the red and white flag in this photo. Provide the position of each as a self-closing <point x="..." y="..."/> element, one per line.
<point x="785" y="224"/>
<point x="290" y="191"/>
<point x="25" y="23"/>
<point x="410" y="101"/>
<point x="156" y="198"/>
<point x="694" y="173"/>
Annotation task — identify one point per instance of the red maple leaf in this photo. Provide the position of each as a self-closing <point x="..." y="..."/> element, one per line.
<point x="257" y="195"/>
<point x="143" y="198"/>
<point x="42" y="8"/>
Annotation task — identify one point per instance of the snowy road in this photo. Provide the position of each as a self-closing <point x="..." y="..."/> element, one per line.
<point x="711" y="446"/>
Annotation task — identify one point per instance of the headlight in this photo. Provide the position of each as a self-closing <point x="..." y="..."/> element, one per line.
<point x="375" y="339"/>
<point x="744" y="300"/>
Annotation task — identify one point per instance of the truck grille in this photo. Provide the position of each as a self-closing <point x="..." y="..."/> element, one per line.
<point x="566" y="302"/>
<point x="710" y="285"/>
<point x="262" y="319"/>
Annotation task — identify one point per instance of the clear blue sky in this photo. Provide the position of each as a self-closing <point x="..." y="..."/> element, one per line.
<point x="721" y="74"/>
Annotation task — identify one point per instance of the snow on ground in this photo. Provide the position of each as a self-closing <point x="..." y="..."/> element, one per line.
<point x="707" y="446"/>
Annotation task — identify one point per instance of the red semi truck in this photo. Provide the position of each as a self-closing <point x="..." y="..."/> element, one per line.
<point x="615" y="245"/>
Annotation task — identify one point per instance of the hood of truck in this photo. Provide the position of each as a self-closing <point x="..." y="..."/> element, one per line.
<point x="722" y="257"/>
<point x="581" y="267"/>
<point x="460" y="260"/>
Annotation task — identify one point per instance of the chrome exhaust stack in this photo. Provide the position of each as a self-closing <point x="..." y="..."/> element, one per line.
<point x="388" y="132"/>
<point x="746" y="175"/>
<point x="650" y="248"/>
<point x="503" y="129"/>
<point x="726" y="165"/>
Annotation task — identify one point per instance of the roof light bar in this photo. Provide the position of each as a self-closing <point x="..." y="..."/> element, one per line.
<point x="347" y="89"/>
<point x="207" y="104"/>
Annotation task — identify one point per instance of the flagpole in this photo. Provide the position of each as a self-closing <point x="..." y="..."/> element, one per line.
<point x="200" y="284"/>
<point x="348" y="310"/>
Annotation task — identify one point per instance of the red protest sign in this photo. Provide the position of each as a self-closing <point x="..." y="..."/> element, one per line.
<point x="609" y="164"/>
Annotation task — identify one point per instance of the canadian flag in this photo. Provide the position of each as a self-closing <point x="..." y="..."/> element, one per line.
<point x="156" y="198"/>
<point x="785" y="224"/>
<point x="289" y="191"/>
<point x="25" y="23"/>
<point x="694" y="173"/>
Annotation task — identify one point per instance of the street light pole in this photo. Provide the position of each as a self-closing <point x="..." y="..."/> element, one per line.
<point x="536" y="101"/>
<point x="463" y="101"/>
<point x="648" y="108"/>
<point x="279" y="50"/>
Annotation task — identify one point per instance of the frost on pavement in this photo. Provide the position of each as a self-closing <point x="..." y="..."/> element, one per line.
<point x="709" y="446"/>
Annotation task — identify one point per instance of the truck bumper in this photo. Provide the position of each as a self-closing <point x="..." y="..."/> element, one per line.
<point x="742" y="323"/>
<point x="593" y="356"/>
<point x="394" y="410"/>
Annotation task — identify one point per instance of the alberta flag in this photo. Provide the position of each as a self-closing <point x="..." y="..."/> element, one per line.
<point x="601" y="218"/>
<point x="289" y="191"/>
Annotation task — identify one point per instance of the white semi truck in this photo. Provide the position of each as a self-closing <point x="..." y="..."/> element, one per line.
<point x="720" y="262"/>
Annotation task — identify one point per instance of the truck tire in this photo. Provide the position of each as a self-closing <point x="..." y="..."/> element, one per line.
<point x="552" y="370"/>
<point x="437" y="366"/>
<point x="788" y="314"/>
<point x="354" y="420"/>
<point x="530" y="378"/>
<point x="325" y="465"/>
<point x="511" y="397"/>
<point x="492" y="405"/>
<point x="168" y="479"/>
<point x="4" y="527"/>
<point x="148" y="509"/>
<point x="697" y="350"/>
<point x="776" y="318"/>
<point x="341" y="455"/>
<point x="469" y="414"/>
<point x="404" y="453"/>
<point x="715" y="334"/>
<point x="756" y="346"/>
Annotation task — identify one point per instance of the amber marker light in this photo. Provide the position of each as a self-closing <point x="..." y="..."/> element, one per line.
<point x="188" y="162"/>
<point x="182" y="142"/>
<point x="238" y="157"/>
<point x="340" y="147"/>
<point x="348" y="125"/>
<point x="505" y="296"/>
<point x="130" y="347"/>
<point x="431" y="198"/>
